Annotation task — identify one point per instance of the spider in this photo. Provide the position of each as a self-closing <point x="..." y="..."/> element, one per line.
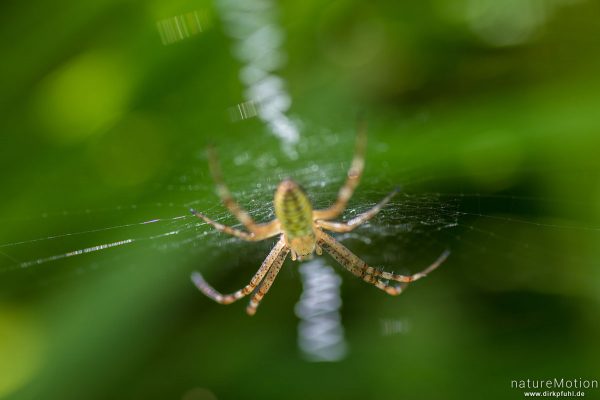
<point x="301" y="233"/>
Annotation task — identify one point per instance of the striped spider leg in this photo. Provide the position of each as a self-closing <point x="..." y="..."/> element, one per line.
<point x="256" y="231"/>
<point x="353" y="178"/>
<point x="270" y="267"/>
<point x="358" y="220"/>
<point x="376" y="277"/>
<point x="357" y="266"/>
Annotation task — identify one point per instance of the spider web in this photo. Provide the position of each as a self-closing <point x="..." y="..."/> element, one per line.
<point x="413" y="228"/>
<point x="428" y="216"/>
<point x="253" y="176"/>
<point x="498" y="241"/>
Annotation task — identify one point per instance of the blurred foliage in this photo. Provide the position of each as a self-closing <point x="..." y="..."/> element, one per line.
<point x="492" y="107"/>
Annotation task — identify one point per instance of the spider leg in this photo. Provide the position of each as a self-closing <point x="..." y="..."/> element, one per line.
<point x="266" y="283"/>
<point x="262" y="231"/>
<point x="369" y="274"/>
<point x="354" y="174"/>
<point x="276" y="256"/>
<point x="358" y="220"/>
<point x="225" y="194"/>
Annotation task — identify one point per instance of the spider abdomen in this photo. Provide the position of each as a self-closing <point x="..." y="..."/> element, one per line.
<point x="295" y="214"/>
<point x="293" y="209"/>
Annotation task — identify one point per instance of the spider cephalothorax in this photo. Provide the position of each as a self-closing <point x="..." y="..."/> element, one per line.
<point x="300" y="230"/>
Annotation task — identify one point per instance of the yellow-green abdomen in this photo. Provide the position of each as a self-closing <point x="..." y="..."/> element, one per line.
<point x="293" y="210"/>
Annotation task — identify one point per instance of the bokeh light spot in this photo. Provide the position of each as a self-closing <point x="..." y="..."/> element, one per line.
<point x="83" y="96"/>
<point x="20" y="347"/>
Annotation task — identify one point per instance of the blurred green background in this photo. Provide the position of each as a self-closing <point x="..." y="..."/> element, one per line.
<point x="485" y="113"/>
